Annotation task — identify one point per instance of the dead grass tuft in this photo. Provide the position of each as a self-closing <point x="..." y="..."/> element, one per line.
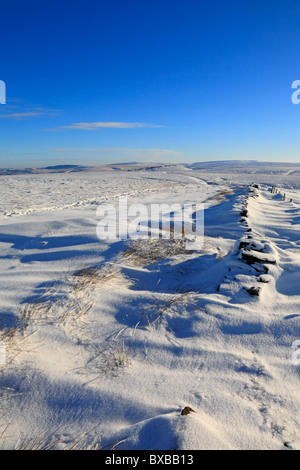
<point x="75" y="309"/>
<point x="91" y="276"/>
<point x="160" y="308"/>
<point x="112" y="360"/>
<point x="143" y="252"/>
<point x="36" y="307"/>
<point x="54" y="441"/>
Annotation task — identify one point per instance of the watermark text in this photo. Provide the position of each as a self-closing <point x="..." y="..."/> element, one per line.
<point x="151" y="221"/>
<point x="2" y="92"/>
<point x="296" y="353"/>
<point x="296" y="94"/>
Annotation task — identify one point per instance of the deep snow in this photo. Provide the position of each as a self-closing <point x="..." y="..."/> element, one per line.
<point x="107" y="342"/>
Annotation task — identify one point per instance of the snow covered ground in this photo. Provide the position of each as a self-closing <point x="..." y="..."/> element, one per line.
<point x="108" y="341"/>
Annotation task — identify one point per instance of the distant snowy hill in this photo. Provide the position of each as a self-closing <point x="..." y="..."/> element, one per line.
<point x="63" y="167"/>
<point x="239" y="163"/>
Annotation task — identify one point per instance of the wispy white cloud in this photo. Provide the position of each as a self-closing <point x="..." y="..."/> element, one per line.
<point x="20" y="113"/>
<point x="90" y="126"/>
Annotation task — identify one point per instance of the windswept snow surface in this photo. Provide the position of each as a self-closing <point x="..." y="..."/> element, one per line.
<point x="107" y="341"/>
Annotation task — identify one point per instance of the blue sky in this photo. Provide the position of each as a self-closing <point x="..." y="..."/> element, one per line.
<point x="135" y="80"/>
